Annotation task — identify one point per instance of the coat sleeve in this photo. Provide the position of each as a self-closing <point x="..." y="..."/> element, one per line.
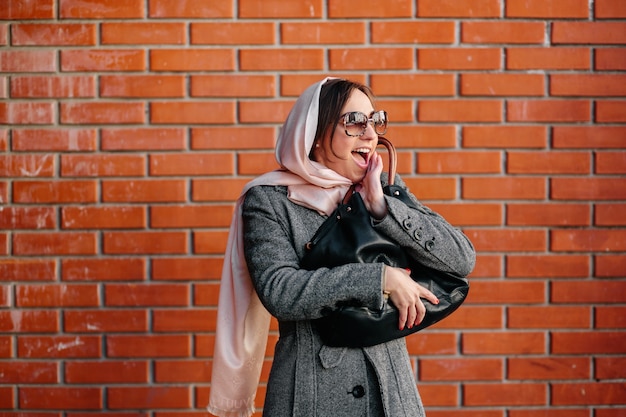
<point x="426" y="236"/>
<point x="286" y="291"/>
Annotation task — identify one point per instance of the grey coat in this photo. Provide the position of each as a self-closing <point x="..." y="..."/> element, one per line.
<point x="308" y="378"/>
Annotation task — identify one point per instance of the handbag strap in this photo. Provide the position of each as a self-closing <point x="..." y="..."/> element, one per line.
<point x="391" y="169"/>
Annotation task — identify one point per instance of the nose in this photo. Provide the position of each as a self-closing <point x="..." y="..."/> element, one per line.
<point x="370" y="132"/>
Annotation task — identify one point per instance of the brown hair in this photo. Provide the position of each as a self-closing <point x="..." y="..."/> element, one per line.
<point x="333" y="96"/>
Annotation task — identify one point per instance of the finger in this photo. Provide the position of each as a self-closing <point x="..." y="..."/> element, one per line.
<point x="412" y="315"/>
<point x="421" y="312"/>
<point x="403" y="317"/>
<point x="425" y="293"/>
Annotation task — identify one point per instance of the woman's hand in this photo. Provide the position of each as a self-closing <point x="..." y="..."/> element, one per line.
<point x="371" y="190"/>
<point x="406" y="295"/>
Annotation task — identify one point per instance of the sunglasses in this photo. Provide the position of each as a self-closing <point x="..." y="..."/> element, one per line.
<point x="355" y="122"/>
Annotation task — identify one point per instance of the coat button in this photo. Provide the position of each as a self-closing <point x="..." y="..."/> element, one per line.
<point x="417" y="234"/>
<point x="408" y="224"/>
<point x="357" y="391"/>
<point x="429" y="245"/>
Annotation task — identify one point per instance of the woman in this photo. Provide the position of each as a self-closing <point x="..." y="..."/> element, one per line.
<point x="327" y="144"/>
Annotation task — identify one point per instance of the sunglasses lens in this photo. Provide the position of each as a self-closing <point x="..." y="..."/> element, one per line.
<point x="380" y="122"/>
<point x="355" y="123"/>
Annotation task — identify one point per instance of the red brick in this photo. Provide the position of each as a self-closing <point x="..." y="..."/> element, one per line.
<point x="588" y="342"/>
<point x="370" y="58"/>
<point x="610" y="368"/>
<point x="109" y="372"/>
<point x="148" y="295"/>
<point x="455" y="8"/>
<point x="54" y="140"/>
<point x="144" y="191"/>
<point x="101" y="9"/>
<point x="187" y="269"/>
<point x="292" y="85"/>
<point x="548" y="214"/>
<point x="367" y="9"/>
<point x="233" y="33"/>
<point x="49" y="87"/>
<point x="466" y="369"/>
<point x="142" y="86"/>
<point x="470" y="214"/>
<point x="60" y="398"/>
<point x="149" y="346"/>
<point x="548" y="111"/>
<point x="402" y="110"/>
<point x="264" y="111"/>
<point x="610" y="162"/>
<point x="473" y="317"/>
<point x="102" y="113"/>
<point x="508" y="137"/>
<point x="591" y="137"/>
<point x="210" y="242"/>
<point x="137" y="139"/>
<point x="173" y="33"/>
<point x="479" y="412"/>
<point x="191" y="164"/>
<point x="177" y="371"/>
<point x="284" y="59"/>
<point x="584" y="291"/>
<point x="588" y="189"/>
<point x="206" y="294"/>
<point x="553" y="58"/>
<point x="610" y="111"/>
<point x="422" y="32"/>
<point x="534" y="162"/>
<point x="502" y="85"/>
<point x="28" y="61"/>
<point x="60" y="243"/>
<point x="103" y="60"/>
<point x="459" y="59"/>
<point x="216" y="189"/>
<point x="26" y="165"/>
<point x="223" y="138"/>
<point x="109" y="217"/>
<point x="609" y="59"/>
<point x="237" y="86"/>
<point x="251" y="9"/>
<point x="191" y="112"/>
<point x="26" y="113"/>
<point x="506" y="343"/>
<point x="13" y="217"/>
<point x="190" y="9"/>
<point x="57" y="347"/>
<point x="548" y="368"/>
<point x="184" y="320"/>
<point x="488" y="266"/>
<point x="503" y="32"/>
<point x="458" y="162"/>
<point x="27" y="269"/>
<point x="605" y="85"/>
<point x="610" y="265"/>
<point x="409" y="136"/>
<point x="550" y="317"/>
<point x="506" y="292"/>
<point x="505" y="188"/>
<point x="56" y="295"/>
<point x="513" y="394"/>
<point x="588" y="32"/>
<point x="98" y="321"/>
<point x="58" y="34"/>
<point x="29" y="321"/>
<point x="547" y="266"/>
<point x="8" y="398"/>
<point x="413" y="85"/>
<point x="599" y="240"/>
<point x="613" y="317"/>
<point x="256" y="164"/>
<point x="582" y="393"/>
<point x="608" y="9"/>
<point x="316" y="33"/>
<point x="149" y="397"/>
<point x="29" y="373"/>
<point x="550" y="9"/>
<point x="102" y="165"/>
<point x="190" y="216"/>
<point x="528" y="240"/>
<point x="144" y="242"/>
<point x="103" y="269"/>
<point x="459" y="111"/>
<point x="27" y="10"/>
<point x="440" y="395"/>
<point x="192" y="60"/>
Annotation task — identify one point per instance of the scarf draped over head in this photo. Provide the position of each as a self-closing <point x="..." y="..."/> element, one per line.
<point x="242" y="321"/>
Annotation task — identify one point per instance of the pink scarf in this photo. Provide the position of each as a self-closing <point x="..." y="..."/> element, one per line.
<point x="242" y="321"/>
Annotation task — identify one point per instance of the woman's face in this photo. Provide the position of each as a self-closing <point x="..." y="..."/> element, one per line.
<point x="349" y="156"/>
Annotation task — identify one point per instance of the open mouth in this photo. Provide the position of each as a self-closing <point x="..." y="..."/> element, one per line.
<point x="362" y="154"/>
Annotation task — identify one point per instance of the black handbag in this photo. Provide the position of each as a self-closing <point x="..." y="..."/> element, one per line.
<point x="347" y="236"/>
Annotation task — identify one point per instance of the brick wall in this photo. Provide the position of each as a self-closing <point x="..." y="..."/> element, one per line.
<point x="129" y="127"/>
